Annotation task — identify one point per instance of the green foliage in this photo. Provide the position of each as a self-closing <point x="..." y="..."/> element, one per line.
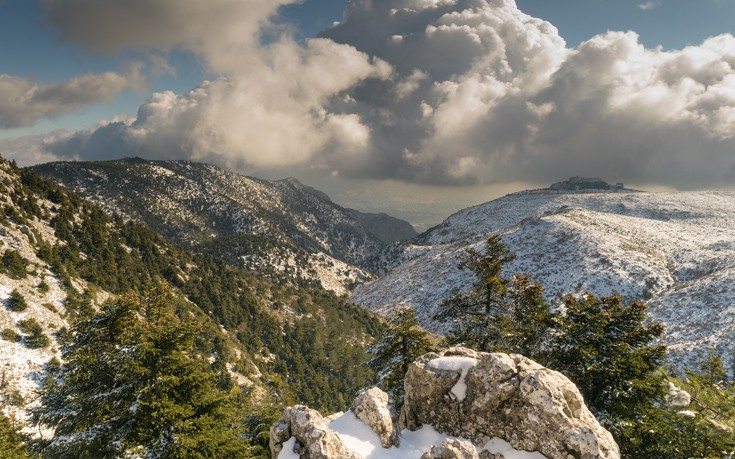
<point x="13" y="445"/>
<point x="16" y="302"/>
<point x="134" y="382"/>
<point x="43" y="286"/>
<point x="8" y="334"/>
<point x="14" y="264"/>
<point x="497" y="314"/>
<point x="477" y="316"/>
<point x="606" y="348"/>
<point x="35" y="337"/>
<point x="402" y="343"/>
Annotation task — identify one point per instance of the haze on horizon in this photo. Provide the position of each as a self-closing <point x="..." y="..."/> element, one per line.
<point x="412" y="107"/>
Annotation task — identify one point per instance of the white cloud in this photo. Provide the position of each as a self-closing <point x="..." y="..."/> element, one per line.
<point x="475" y="91"/>
<point x="23" y="101"/>
<point x="648" y="6"/>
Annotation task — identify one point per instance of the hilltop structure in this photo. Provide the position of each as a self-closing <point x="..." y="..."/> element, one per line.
<point x="585" y="183"/>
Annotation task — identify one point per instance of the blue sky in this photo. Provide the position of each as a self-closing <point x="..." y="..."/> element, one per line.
<point x="403" y="98"/>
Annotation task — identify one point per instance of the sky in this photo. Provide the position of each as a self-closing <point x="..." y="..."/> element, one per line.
<point x="417" y="108"/>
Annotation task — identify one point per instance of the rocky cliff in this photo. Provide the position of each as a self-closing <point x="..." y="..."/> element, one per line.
<point x="459" y="404"/>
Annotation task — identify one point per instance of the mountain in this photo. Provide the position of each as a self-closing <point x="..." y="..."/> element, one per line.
<point x="284" y="224"/>
<point x="674" y="250"/>
<point x="62" y="258"/>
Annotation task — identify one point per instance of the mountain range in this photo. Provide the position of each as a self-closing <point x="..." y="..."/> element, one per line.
<point x="672" y="250"/>
<point x="283" y="225"/>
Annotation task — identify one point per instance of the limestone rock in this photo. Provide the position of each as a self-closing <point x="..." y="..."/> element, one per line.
<point x="508" y="396"/>
<point x="371" y="407"/>
<point x="311" y="432"/>
<point x="452" y="449"/>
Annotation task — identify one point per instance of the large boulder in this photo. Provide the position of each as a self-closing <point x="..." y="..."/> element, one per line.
<point x="371" y="407"/>
<point x="452" y="449"/>
<point x="480" y="396"/>
<point x="314" y="438"/>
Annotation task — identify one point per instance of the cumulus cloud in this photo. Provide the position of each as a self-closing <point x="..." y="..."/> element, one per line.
<point x="23" y="101"/>
<point x="268" y="105"/>
<point x="424" y="91"/>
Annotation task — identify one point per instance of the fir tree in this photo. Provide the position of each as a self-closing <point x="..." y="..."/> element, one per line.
<point x="477" y="316"/>
<point x="403" y="342"/>
<point x="16" y="302"/>
<point x="134" y="384"/>
<point x="14" y="264"/>
<point x="608" y="350"/>
<point x="12" y="442"/>
<point x="497" y="314"/>
<point x="35" y="337"/>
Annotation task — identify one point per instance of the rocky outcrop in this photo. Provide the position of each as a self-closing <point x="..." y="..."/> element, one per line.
<point x="507" y="396"/>
<point x="452" y="449"/>
<point x="371" y="407"/>
<point x="473" y="397"/>
<point x="311" y="430"/>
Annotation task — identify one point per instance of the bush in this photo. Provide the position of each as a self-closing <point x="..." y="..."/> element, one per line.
<point x="8" y="334"/>
<point x="14" y="264"/>
<point x="35" y="337"/>
<point x="16" y="302"/>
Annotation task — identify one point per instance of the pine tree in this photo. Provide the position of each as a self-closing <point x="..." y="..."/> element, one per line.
<point x="132" y="382"/>
<point x="14" y="264"/>
<point x="34" y="337"/>
<point x="477" y="317"/>
<point x="497" y="314"/>
<point x="711" y="368"/>
<point x="608" y="350"/>
<point x="12" y="443"/>
<point x="403" y="342"/>
<point x="16" y="302"/>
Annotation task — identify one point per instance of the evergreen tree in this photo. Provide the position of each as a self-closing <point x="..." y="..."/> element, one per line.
<point x="12" y="443"/>
<point x="497" y="314"/>
<point x="477" y="317"/>
<point x="133" y="383"/>
<point x="403" y="342"/>
<point x="35" y="337"/>
<point x="14" y="264"/>
<point x="608" y="350"/>
<point x="16" y="302"/>
<point x="711" y="368"/>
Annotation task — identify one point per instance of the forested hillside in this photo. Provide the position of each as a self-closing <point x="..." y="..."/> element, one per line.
<point x="278" y="339"/>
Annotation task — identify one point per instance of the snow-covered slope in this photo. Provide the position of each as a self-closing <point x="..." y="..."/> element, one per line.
<point x="675" y="250"/>
<point x="195" y="203"/>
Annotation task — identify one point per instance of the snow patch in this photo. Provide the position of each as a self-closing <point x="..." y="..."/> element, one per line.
<point x="287" y="451"/>
<point x="460" y="364"/>
<point x="359" y="438"/>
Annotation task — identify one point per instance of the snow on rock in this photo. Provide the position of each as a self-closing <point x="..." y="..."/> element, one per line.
<point x="509" y="397"/>
<point x="371" y="407"/>
<point x="288" y="450"/>
<point x="456" y="364"/>
<point x="513" y="408"/>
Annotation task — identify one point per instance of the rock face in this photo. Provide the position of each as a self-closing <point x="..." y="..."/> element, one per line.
<point x="507" y="396"/>
<point x="452" y="449"/>
<point x="473" y="396"/>
<point x="312" y="433"/>
<point x="371" y="407"/>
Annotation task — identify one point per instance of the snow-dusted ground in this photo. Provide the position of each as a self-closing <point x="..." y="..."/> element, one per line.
<point x="675" y="250"/>
<point x="360" y="439"/>
<point x="22" y="369"/>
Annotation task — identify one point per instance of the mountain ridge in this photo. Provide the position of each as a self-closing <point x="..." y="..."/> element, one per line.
<point x="195" y="203"/>
<point x="649" y="246"/>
